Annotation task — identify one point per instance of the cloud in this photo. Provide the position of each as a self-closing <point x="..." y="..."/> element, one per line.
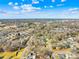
<point x="59" y="4"/>
<point x="2" y="12"/>
<point x="9" y="13"/>
<point x="35" y="2"/>
<point x="63" y="0"/>
<point x="74" y="12"/>
<point x="48" y="6"/>
<point x="23" y="0"/>
<point x="29" y="8"/>
<point x="72" y="9"/>
<point x="24" y="7"/>
<point x="16" y="3"/>
<point x="13" y="13"/>
<point x="45" y="6"/>
<point x="51" y="6"/>
<point x="53" y="0"/>
<point x="10" y="3"/>
<point x="16" y="7"/>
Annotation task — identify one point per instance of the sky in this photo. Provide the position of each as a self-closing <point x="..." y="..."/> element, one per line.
<point x="24" y="9"/>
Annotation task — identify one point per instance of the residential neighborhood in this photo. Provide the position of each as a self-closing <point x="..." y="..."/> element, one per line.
<point x="39" y="40"/>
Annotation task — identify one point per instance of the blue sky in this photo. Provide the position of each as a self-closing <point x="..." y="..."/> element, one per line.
<point x="10" y="9"/>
